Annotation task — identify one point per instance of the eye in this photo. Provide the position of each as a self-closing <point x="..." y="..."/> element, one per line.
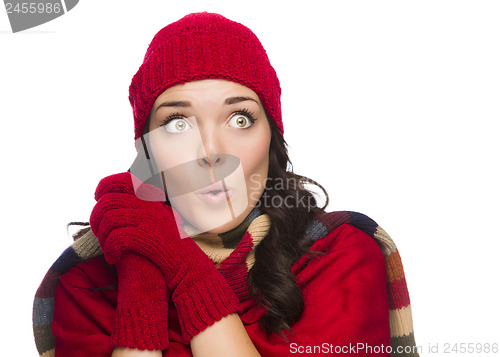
<point x="242" y="120"/>
<point x="176" y="125"/>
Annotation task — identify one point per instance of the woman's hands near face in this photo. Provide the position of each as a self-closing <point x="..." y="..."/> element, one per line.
<point x="123" y="222"/>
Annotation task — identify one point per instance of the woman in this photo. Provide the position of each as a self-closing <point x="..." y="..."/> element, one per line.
<point x="208" y="246"/>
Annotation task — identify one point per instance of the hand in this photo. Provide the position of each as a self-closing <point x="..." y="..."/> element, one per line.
<point x="142" y="310"/>
<point x="124" y="223"/>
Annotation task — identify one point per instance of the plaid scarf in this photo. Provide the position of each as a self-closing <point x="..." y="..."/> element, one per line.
<point x="233" y="254"/>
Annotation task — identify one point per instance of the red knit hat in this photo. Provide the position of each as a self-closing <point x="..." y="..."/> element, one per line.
<point x="200" y="46"/>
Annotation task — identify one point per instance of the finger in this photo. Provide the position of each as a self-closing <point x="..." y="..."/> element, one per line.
<point x="126" y="239"/>
<point x="108" y="202"/>
<point x="115" y="200"/>
<point x="121" y="183"/>
<point x="116" y="219"/>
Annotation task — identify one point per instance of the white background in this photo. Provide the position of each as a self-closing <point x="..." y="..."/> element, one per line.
<point x="393" y="106"/>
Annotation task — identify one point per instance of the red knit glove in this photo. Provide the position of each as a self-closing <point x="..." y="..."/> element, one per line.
<point x="123" y="223"/>
<point x="142" y="312"/>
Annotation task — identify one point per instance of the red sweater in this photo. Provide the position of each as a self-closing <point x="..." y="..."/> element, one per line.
<point x="346" y="310"/>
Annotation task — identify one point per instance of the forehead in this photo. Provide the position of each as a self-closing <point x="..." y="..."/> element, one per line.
<point x="215" y="89"/>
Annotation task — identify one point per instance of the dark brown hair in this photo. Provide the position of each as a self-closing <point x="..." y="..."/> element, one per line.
<point x="270" y="280"/>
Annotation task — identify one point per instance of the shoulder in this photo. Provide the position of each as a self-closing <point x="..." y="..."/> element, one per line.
<point x="92" y="274"/>
<point x="343" y="237"/>
<point x="345" y="287"/>
<point x="83" y="264"/>
<point x="340" y="229"/>
<point x="347" y="236"/>
<point x="323" y="224"/>
<point x="88" y="290"/>
<point x="72" y="286"/>
<point x="81" y="267"/>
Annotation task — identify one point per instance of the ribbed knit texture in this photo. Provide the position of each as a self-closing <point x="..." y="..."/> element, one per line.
<point x="152" y="329"/>
<point x="200" y="306"/>
<point x="142" y="305"/>
<point x="203" y="46"/>
<point x="228" y="253"/>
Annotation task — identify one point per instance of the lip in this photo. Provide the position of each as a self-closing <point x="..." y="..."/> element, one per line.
<point x="215" y="193"/>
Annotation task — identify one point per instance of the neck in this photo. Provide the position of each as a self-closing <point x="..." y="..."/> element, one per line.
<point x="219" y="246"/>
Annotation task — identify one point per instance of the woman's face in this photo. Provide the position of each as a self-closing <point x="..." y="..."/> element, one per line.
<point x="211" y="139"/>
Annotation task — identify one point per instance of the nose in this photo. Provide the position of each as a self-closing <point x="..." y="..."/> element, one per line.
<point x="212" y="160"/>
<point x="211" y="149"/>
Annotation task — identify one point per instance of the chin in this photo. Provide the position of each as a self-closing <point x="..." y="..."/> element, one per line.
<point x="229" y="224"/>
<point x="213" y="222"/>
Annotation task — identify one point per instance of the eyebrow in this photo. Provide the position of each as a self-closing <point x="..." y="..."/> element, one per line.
<point x="174" y="104"/>
<point x="185" y="104"/>
<point x="234" y="100"/>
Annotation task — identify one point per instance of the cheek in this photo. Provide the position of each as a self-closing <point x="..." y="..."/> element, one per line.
<point x="172" y="151"/>
<point x="168" y="160"/>
<point x="255" y="162"/>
